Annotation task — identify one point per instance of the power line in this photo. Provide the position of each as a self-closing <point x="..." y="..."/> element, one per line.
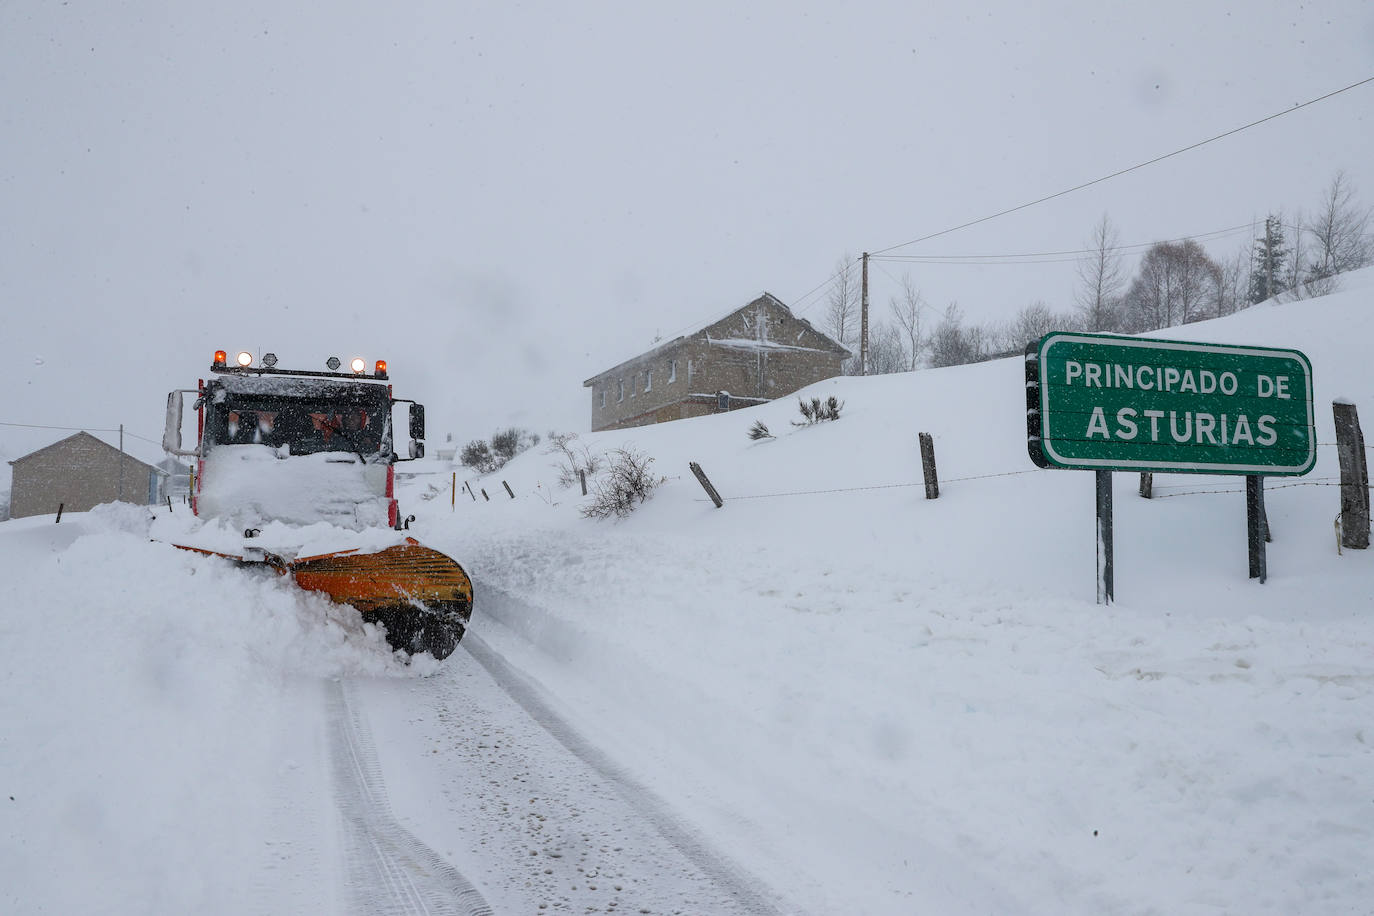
<point x="1049" y="257"/>
<point x="836" y="278"/>
<point x="82" y="429"/>
<point x="1139" y="165"/>
<point x="829" y="281"/>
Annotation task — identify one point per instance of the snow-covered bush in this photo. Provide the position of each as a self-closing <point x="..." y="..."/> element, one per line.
<point x="572" y="460"/>
<point x="759" y="431"/>
<point x="505" y="444"/>
<point x="477" y="455"/>
<point x="626" y="484"/>
<point x="814" y="411"/>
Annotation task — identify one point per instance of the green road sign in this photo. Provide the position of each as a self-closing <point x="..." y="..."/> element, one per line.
<point x="1098" y="402"/>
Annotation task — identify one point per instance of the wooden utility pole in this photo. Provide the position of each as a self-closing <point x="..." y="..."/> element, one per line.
<point x="863" y="320"/>
<point x="761" y="335"/>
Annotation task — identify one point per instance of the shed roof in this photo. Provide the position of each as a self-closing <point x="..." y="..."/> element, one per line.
<point x="128" y="455"/>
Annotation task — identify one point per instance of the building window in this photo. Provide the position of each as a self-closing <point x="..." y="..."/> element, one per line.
<point x="620" y="389"/>
<point x="649" y="380"/>
<point x="672" y="372"/>
<point x="603" y="398"/>
<point x="689" y="372"/>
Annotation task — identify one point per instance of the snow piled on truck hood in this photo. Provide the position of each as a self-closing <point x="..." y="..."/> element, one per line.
<point x="252" y="484"/>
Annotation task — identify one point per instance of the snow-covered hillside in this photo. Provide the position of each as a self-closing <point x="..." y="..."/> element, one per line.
<point x="872" y="702"/>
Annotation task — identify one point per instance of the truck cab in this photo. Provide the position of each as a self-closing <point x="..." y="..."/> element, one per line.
<point x="293" y="445"/>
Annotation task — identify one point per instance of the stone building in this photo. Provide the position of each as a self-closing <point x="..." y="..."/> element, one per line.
<point x="79" y="473"/>
<point x="755" y="354"/>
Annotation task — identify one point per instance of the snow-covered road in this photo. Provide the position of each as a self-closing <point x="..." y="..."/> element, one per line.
<point x="480" y="767"/>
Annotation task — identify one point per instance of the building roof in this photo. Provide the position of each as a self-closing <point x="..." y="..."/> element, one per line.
<point x="768" y="299"/>
<point x="128" y="455"/>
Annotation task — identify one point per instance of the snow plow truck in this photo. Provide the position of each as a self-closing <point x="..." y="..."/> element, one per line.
<point x="300" y="448"/>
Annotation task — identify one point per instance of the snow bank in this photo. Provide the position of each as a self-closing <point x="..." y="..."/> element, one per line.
<point x="862" y="692"/>
<point x="157" y="715"/>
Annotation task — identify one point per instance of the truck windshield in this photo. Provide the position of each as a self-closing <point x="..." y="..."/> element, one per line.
<point x="360" y="424"/>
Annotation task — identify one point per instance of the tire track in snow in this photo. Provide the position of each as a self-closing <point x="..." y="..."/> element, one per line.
<point x="743" y="888"/>
<point x="390" y="871"/>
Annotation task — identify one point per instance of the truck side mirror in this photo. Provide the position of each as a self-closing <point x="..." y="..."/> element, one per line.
<point x="171" y="433"/>
<point x="417" y="421"/>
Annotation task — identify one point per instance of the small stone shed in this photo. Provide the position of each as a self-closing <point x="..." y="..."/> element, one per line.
<point x="79" y="473"/>
<point x="758" y="352"/>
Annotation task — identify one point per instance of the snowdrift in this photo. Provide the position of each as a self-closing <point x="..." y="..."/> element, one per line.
<point x="874" y="702"/>
<point x="854" y="687"/>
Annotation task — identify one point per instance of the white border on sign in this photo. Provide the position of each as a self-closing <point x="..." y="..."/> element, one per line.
<point x="1186" y="466"/>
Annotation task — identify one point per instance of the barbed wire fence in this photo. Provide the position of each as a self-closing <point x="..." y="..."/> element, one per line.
<point x="1315" y="482"/>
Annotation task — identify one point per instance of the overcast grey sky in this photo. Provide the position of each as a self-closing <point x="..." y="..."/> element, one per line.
<point x="503" y="199"/>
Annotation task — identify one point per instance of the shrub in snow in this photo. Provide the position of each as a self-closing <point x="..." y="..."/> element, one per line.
<point x="816" y="412"/>
<point x="505" y="445"/>
<point x="572" y="460"/>
<point x="477" y="454"/>
<point x="626" y="484"/>
<point x="759" y="431"/>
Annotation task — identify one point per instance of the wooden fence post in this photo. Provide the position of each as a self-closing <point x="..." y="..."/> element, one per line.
<point x="1147" y="485"/>
<point x="484" y="495"/>
<point x="582" y="476"/>
<point x="59" y="512"/>
<point x="1354" y="477"/>
<point x="508" y="490"/>
<point x="928" y="466"/>
<point x="706" y="484"/>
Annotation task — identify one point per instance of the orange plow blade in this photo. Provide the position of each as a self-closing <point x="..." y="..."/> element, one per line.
<point x="422" y="597"/>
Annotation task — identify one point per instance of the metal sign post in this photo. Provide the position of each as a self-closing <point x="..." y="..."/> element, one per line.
<point x="1103" y="403"/>
<point x="1106" y="568"/>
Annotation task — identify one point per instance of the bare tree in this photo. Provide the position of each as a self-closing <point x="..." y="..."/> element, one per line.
<point x="1034" y="322"/>
<point x="1177" y="283"/>
<point x="1297" y="262"/>
<point x="1234" y="289"/>
<point x="953" y="344"/>
<point x="886" y="349"/>
<point x="1102" y="277"/>
<point x="908" y="309"/>
<point x="842" y="306"/>
<point x="1340" y="235"/>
